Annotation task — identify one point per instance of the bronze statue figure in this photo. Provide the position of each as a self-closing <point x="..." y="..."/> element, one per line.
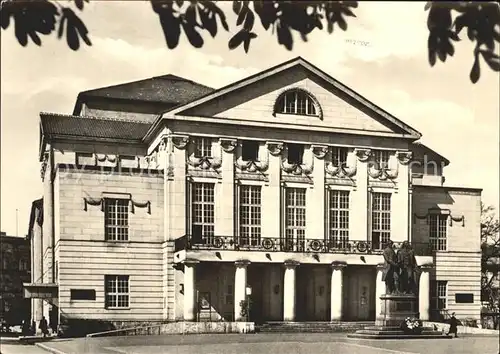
<point x="407" y="265"/>
<point x="390" y="273"/>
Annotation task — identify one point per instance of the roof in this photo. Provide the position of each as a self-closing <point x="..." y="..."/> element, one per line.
<point x="298" y="61"/>
<point x="53" y="124"/>
<point x="37" y="204"/>
<point x="168" y="89"/>
<point x="431" y="153"/>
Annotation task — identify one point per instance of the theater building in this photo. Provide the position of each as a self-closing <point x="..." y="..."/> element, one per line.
<point x="168" y="200"/>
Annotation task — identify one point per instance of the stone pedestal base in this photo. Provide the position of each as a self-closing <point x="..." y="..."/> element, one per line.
<point x="395" y="308"/>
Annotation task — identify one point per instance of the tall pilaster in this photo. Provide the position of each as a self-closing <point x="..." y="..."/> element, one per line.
<point x="424" y="292"/>
<point x="360" y="196"/>
<point x="315" y="210"/>
<point x="190" y="290"/>
<point x="337" y="291"/>
<point x="225" y="217"/>
<point x="240" y="287"/>
<point x="271" y="197"/>
<point x="289" y="293"/>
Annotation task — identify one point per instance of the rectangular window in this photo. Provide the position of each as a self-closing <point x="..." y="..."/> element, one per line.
<point x="439" y="294"/>
<point x="250" y="150"/>
<point x="117" y="291"/>
<point x="229" y="295"/>
<point x="381" y="158"/>
<point x="338" y="219"/>
<point x="381" y="219"/>
<point x="464" y="298"/>
<point x="437" y="231"/>
<point x="339" y="156"/>
<point x="295" y="153"/>
<point x="202" y="147"/>
<point x="250" y="215"/>
<point x="203" y="212"/>
<point x="82" y="294"/>
<point x="295" y="219"/>
<point x="116" y="219"/>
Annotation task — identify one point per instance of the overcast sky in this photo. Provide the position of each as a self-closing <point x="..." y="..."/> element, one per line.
<point x="458" y="119"/>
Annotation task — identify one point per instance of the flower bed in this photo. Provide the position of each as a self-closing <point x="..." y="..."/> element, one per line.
<point x="411" y="325"/>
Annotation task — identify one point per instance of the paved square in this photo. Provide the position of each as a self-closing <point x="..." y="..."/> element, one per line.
<point x="297" y="343"/>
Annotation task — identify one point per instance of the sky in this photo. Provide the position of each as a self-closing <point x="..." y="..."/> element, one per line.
<point x="382" y="56"/>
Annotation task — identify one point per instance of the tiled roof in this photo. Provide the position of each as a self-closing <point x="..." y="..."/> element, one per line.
<point x="168" y="89"/>
<point x="428" y="151"/>
<point x="90" y="127"/>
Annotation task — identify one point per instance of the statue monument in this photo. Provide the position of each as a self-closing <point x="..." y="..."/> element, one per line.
<point x="399" y="272"/>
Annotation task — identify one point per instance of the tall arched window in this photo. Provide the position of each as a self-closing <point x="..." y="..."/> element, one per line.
<point x="297" y="102"/>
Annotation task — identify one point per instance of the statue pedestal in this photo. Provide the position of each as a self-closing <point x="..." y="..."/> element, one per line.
<point x="395" y="308"/>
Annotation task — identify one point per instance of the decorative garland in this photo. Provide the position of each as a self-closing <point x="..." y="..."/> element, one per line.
<point x="134" y="204"/>
<point x="94" y="202"/>
<point x="100" y="201"/>
<point x="450" y="221"/>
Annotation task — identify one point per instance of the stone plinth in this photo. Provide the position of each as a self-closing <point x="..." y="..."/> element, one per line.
<point x="395" y="308"/>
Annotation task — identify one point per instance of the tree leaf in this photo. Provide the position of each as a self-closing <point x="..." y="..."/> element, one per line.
<point x="249" y="20"/>
<point x="475" y="71"/>
<point x="171" y="27"/>
<point x="190" y="15"/>
<point x="62" y="22"/>
<point x="285" y="36"/>
<point x="193" y="36"/>
<point x="241" y="16"/>
<point x="492" y="60"/>
<point x="236" y="40"/>
<point x="79" y="4"/>
<point x="208" y="22"/>
<point x="236" y="7"/>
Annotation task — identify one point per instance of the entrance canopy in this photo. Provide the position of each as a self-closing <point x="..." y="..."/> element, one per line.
<point x="47" y="291"/>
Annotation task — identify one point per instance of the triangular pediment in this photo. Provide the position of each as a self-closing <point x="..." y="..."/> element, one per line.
<point x="255" y="99"/>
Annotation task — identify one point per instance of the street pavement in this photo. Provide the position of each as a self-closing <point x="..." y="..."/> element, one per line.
<point x="296" y="343"/>
<point x="20" y="349"/>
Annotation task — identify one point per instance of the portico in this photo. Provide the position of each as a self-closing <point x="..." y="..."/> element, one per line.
<point x="289" y="291"/>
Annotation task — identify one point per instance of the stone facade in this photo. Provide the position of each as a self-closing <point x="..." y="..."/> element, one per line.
<point x="231" y="208"/>
<point x="15" y="265"/>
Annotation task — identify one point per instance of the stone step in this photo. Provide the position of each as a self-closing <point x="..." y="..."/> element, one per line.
<point x="392" y="328"/>
<point x="393" y="332"/>
<point x="398" y="336"/>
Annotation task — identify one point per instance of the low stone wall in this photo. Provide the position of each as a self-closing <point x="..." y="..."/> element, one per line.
<point x="444" y="327"/>
<point x="181" y="328"/>
<point x="208" y="327"/>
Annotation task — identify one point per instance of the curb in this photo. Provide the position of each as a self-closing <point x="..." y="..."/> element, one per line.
<point x="49" y="349"/>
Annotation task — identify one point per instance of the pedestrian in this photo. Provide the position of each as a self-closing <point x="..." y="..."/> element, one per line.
<point x="453" y="325"/>
<point x="44" y="326"/>
<point x="33" y="327"/>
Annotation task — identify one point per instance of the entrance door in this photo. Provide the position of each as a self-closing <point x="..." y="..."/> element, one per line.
<point x="360" y="293"/>
<point x="255" y="282"/>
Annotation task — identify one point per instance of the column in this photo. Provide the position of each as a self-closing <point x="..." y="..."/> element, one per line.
<point x="379" y="290"/>
<point x="423" y="292"/>
<point x="190" y="290"/>
<point x="240" y="287"/>
<point x="289" y="291"/>
<point x="336" y="291"/>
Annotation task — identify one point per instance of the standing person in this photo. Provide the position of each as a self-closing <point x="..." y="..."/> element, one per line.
<point x="453" y="325"/>
<point x="44" y="326"/>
